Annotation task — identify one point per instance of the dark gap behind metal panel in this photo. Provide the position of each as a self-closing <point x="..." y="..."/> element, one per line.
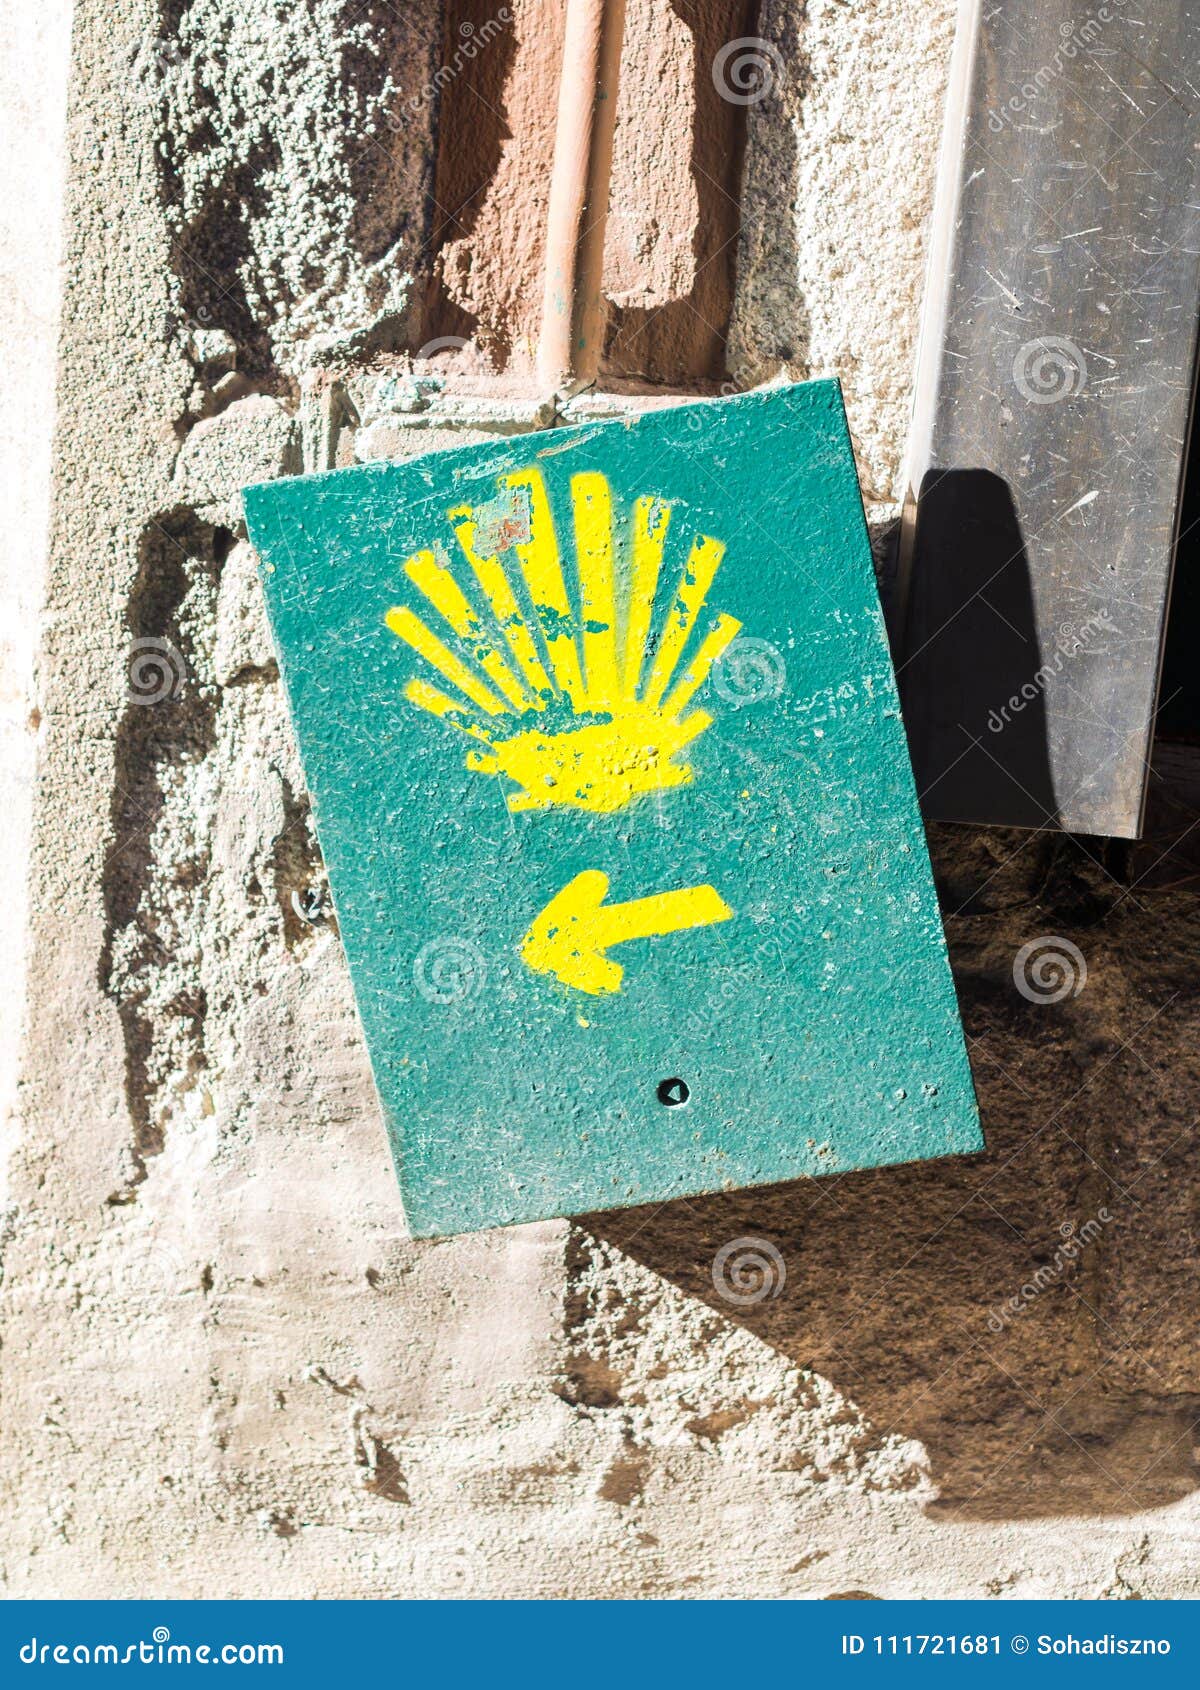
<point x="1179" y="697"/>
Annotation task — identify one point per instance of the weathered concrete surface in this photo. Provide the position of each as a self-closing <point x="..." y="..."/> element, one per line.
<point x="34" y="63"/>
<point x="225" y="1371"/>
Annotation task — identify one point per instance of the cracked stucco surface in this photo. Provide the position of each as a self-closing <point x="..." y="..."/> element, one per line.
<point x="225" y="1371"/>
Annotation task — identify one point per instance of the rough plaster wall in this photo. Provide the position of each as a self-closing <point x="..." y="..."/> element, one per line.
<point x="291" y="166"/>
<point x="225" y="1371"/>
<point x="838" y="190"/>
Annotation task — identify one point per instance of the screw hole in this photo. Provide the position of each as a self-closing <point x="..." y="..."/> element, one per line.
<point x="673" y="1093"/>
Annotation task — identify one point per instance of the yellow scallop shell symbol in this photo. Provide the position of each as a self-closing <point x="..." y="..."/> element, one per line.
<point x="578" y="699"/>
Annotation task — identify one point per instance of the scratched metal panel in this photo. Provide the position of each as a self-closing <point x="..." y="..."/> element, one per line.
<point x="608" y="770"/>
<point x="1053" y="402"/>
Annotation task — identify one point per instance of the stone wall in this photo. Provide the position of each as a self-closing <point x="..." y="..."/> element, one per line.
<point x="225" y="1370"/>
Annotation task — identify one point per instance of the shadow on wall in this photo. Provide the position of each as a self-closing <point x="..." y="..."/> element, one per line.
<point x="167" y="727"/>
<point x="684" y="339"/>
<point x="1027" y="1314"/>
<point x="770" y="331"/>
<point x="472" y="129"/>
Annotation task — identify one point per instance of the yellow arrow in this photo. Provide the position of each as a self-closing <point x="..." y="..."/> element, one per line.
<point x="577" y="927"/>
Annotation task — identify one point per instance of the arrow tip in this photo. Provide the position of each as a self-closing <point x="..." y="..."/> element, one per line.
<point x="572" y="936"/>
<point x="564" y="939"/>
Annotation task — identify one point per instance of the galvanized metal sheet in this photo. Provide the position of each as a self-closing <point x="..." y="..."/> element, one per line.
<point x="1054" y="395"/>
<point x="611" y="783"/>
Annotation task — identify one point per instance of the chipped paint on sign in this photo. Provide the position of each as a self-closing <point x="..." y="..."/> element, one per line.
<point x="609" y="775"/>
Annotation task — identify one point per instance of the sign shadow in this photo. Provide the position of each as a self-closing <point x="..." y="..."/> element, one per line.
<point x="1025" y="1315"/>
<point x="974" y="668"/>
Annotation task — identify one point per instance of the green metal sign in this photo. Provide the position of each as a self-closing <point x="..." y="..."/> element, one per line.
<point x="608" y="769"/>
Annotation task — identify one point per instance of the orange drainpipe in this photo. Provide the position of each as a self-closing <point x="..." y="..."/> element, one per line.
<point x="573" y="309"/>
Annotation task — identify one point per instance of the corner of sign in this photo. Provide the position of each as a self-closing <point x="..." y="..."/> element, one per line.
<point x="832" y="386"/>
<point x="250" y="498"/>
